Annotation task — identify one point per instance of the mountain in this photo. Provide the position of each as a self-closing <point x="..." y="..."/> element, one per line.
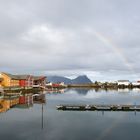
<point x="56" y="79"/>
<point x="79" y="80"/>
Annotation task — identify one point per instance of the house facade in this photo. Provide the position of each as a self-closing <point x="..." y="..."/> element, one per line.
<point x="26" y="81"/>
<point x="39" y="80"/>
<point x="9" y="80"/>
<point x="135" y="83"/>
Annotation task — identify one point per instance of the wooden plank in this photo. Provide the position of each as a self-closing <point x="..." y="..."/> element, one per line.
<point x="99" y="107"/>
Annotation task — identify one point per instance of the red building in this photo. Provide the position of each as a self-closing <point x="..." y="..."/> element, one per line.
<point x="55" y="85"/>
<point x="26" y="80"/>
<point x="22" y="80"/>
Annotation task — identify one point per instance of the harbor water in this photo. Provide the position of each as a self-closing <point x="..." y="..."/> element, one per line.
<point x="40" y="120"/>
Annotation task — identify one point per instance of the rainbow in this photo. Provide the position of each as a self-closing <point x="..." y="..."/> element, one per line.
<point x="110" y="127"/>
<point x="116" y="49"/>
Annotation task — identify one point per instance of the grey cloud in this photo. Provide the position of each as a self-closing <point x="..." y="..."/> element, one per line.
<point x="77" y="35"/>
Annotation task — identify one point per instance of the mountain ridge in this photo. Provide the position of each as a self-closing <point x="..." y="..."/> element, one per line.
<point x="82" y="79"/>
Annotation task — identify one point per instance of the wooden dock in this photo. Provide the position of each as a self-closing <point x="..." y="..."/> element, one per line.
<point x="97" y="107"/>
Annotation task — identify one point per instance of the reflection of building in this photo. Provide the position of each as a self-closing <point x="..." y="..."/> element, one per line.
<point x="6" y="104"/>
<point x="26" y="99"/>
<point x="55" y="90"/>
<point x="136" y="89"/>
<point x="23" y="102"/>
<point x="39" y="99"/>
<point x="126" y="90"/>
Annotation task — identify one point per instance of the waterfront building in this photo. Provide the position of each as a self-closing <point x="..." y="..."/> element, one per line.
<point x="135" y="83"/>
<point x="39" y="81"/>
<point x="26" y="80"/>
<point x="124" y="82"/>
<point x="9" y="80"/>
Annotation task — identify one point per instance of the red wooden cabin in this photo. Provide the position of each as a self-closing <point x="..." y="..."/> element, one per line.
<point x="26" y="80"/>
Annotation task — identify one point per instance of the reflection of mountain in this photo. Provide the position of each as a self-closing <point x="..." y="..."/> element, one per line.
<point x="79" y="80"/>
<point x="82" y="91"/>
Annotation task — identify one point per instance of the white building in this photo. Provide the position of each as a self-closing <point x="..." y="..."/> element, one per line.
<point x="135" y="84"/>
<point x="123" y="82"/>
<point x="49" y="84"/>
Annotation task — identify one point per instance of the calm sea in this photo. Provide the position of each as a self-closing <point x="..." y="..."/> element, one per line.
<point x="41" y="121"/>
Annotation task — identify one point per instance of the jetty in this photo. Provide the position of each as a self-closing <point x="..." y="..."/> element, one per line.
<point x="12" y="95"/>
<point x="98" y="107"/>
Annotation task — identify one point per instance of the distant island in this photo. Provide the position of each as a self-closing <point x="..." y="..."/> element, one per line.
<point x="83" y="79"/>
<point x="11" y="82"/>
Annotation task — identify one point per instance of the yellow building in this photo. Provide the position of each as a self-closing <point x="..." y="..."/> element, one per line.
<point x="8" y="80"/>
<point x="6" y="104"/>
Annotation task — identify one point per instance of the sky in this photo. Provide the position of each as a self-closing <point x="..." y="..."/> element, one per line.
<point x="97" y="38"/>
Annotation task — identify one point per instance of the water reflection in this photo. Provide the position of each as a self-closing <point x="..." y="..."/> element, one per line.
<point x="33" y="118"/>
<point x="93" y="125"/>
<point x="24" y="101"/>
<point x="55" y="90"/>
<point x="84" y="91"/>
